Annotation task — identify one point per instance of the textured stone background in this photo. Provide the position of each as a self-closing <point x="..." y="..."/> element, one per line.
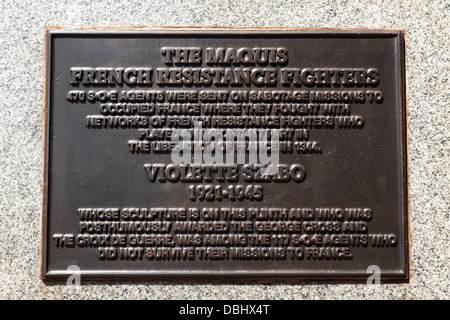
<point x="21" y="81"/>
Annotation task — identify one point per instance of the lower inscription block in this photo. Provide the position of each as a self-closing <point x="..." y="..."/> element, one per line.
<point x="225" y="153"/>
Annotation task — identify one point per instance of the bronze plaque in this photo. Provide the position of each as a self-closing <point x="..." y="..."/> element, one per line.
<point x="225" y="154"/>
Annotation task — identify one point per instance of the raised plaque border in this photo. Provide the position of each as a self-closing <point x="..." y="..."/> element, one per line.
<point x="324" y="276"/>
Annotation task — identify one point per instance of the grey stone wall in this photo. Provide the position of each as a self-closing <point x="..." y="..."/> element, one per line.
<point x="21" y="89"/>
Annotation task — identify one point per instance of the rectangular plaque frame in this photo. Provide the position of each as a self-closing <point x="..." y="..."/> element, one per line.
<point x="59" y="182"/>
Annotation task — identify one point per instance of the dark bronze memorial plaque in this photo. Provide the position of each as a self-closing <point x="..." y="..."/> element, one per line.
<point x="246" y="154"/>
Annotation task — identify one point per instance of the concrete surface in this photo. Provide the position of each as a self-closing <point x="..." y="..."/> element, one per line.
<point x="21" y="81"/>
